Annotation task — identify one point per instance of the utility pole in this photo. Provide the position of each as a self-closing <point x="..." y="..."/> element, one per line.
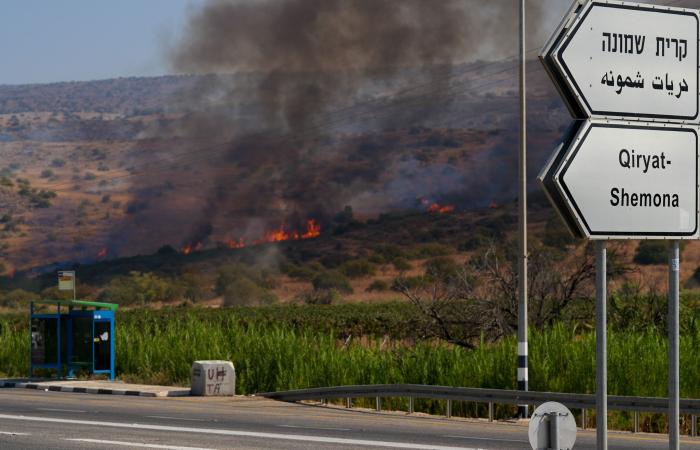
<point x="522" y="224"/>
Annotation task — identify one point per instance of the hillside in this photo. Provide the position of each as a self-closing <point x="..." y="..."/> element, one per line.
<point x="111" y="168"/>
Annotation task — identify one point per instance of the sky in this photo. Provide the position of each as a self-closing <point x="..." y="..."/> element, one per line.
<point x="45" y="41"/>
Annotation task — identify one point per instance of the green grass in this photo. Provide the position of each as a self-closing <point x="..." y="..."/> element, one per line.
<point x="271" y="353"/>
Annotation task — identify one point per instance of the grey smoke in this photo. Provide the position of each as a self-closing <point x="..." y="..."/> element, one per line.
<point x="278" y="68"/>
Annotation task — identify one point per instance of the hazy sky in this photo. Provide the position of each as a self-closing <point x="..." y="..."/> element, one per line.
<point x="62" y="40"/>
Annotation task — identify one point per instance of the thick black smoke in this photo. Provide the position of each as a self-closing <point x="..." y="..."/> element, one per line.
<point x="302" y="66"/>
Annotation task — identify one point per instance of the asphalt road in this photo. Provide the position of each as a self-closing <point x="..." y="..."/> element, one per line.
<point x="56" y="420"/>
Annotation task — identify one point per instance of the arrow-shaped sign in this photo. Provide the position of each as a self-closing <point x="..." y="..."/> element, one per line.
<point x="618" y="180"/>
<point x="627" y="61"/>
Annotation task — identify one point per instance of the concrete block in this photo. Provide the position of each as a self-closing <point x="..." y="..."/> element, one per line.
<point x="213" y="378"/>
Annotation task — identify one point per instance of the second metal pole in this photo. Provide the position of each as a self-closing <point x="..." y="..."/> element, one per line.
<point x="601" y="391"/>
<point x="674" y="264"/>
<point x="522" y="225"/>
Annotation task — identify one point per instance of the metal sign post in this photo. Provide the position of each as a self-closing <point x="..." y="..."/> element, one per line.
<point x="629" y="169"/>
<point x="522" y="225"/>
<point x="673" y="347"/>
<point x="601" y="327"/>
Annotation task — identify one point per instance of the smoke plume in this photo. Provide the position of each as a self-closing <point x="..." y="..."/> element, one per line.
<point x="285" y="76"/>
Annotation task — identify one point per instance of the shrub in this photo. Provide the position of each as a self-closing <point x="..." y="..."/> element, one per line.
<point x="233" y="272"/>
<point x="442" y="267"/>
<point x="432" y="250"/>
<point x="305" y="272"/>
<point x="358" y="268"/>
<point x="141" y="288"/>
<point x="332" y="279"/>
<point x="378" y="286"/>
<point x="58" y="163"/>
<point x="474" y="242"/>
<point x="402" y="264"/>
<point x="245" y="292"/>
<point x="17" y="298"/>
<point x="651" y="252"/>
<point x="319" y="297"/>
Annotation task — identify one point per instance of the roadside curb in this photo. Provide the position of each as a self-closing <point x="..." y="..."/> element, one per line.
<point x="48" y="387"/>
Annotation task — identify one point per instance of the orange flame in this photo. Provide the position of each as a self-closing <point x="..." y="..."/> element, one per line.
<point x="493" y="205"/>
<point x="102" y="253"/>
<point x="313" y="230"/>
<point x="440" y="209"/>
<point x="190" y="247"/>
<point x="232" y="243"/>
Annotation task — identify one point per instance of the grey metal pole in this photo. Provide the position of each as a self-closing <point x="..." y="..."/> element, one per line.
<point x="674" y="264"/>
<point x="554" y="431"/>
<point x="522" y="224"/>
<point x="601" y="392"/>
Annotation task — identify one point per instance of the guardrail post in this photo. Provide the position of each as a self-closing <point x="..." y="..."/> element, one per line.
<point x="693" y="425"/>
<point x="490" y="411"/>
<point x="583" y="418"/>
<point x="348" y="402"/>
<point x="324" y="401"/>
<point x="410" y="405"/>
<point x="448" y="408"/>
<point x="636" y="421"/>
<point x="378" y="401"/>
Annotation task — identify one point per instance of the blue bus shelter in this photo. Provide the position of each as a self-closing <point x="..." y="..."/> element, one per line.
<point x="68" y="336"/>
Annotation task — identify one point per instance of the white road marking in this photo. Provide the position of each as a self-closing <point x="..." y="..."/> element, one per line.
<point x="61" y="410"/>
<point x="179" y="418"/>
<point x="486" y="439"/>
<point x="135" y="444"/>
<point x="221" y="432"/>
<point x="12" y="433"/>
<point x="315" y="428"/>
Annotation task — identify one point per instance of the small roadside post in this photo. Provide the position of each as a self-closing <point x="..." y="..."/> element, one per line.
<point x="628" y="167"/>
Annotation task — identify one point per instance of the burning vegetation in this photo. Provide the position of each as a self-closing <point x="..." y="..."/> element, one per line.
<point x="281" y="234"/>
<point x="434" y="207"/>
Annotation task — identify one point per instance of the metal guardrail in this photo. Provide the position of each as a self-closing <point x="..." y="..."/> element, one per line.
<point x="490" y="396"/>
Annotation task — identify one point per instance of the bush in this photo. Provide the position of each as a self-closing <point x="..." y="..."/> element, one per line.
<point x="358" y="268"/>
<point x="233" y="272"/>
<point x="474" y="242"/>
<point x="319" y="297"/>
<point x="140" y="288"/>
<point x="244" y="292"/>
<point x="651" y="252"/>
<point x="388" y="253"/>
<point x="305" y="272"/>
<point x="58" y="163"/>
<point x="17" y="298"/>
<point x="243" y="285"/>
<point x="332" y="279"/>
<point x="442" y="268"/>
<point x="432" y="250"/>
<point x="378" y="286"/>
<point x="402" y="264"/>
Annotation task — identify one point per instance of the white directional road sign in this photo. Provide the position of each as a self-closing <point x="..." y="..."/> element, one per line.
<point x="630" y="181"/>
<point x="628" y="61"/>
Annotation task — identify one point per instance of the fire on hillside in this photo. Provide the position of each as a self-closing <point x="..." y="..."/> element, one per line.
<point x="434" y="207"/>
<point x="313" y="230"/>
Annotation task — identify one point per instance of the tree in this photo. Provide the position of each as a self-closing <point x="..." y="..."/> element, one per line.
<point x="448" y="301"/>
